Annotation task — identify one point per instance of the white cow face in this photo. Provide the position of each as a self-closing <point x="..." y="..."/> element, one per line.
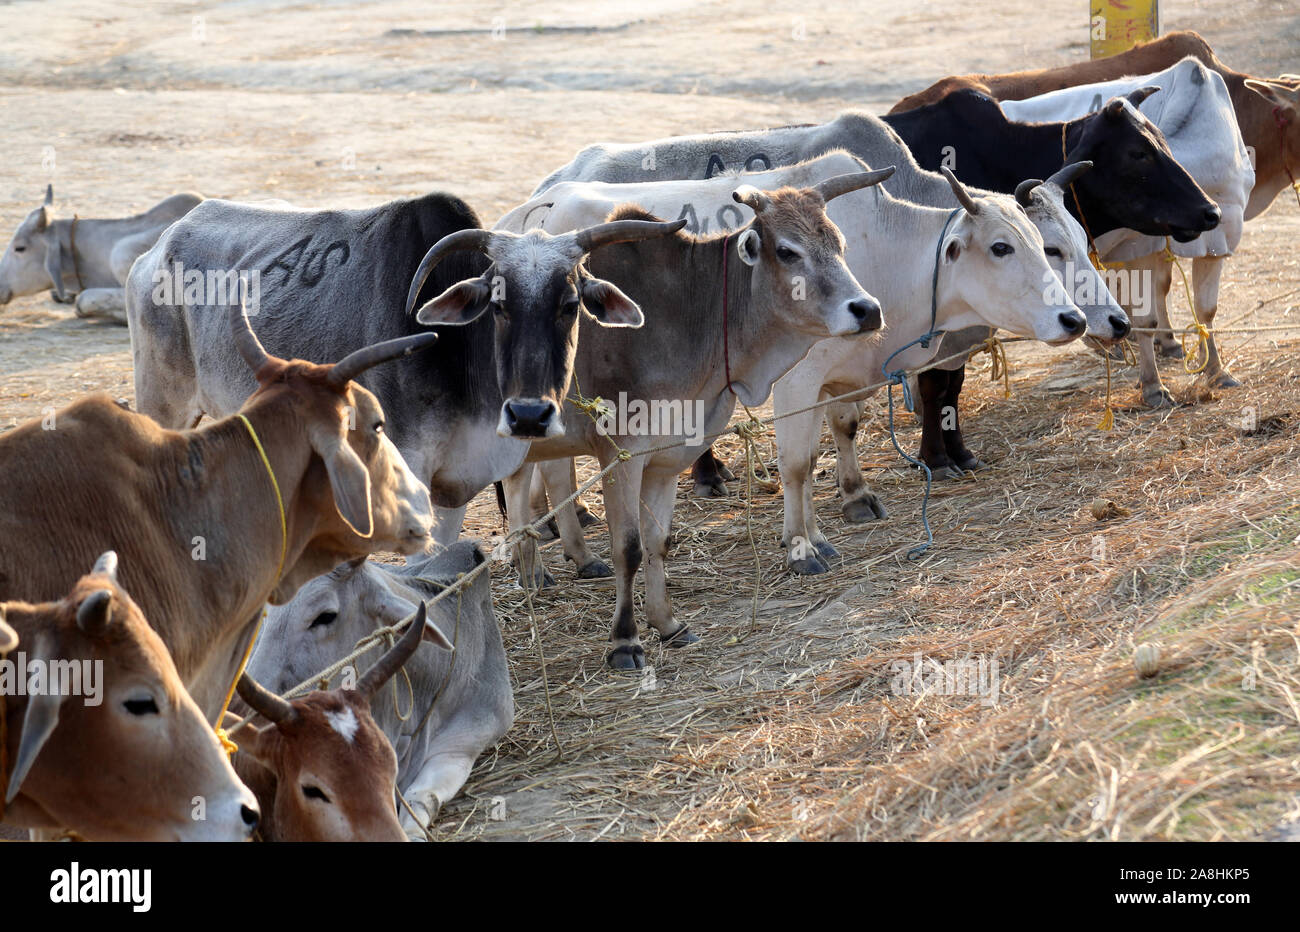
<point x="25" y="265"/>
<point x="994" y="261"/>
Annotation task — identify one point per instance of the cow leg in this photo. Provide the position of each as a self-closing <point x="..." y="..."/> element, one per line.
<point x="103" y="303"/>
<point x="953" y="443"/>
<point x="440" y="779"/>
<point x="1205" y="286"/>
<point x="527" y="558"/>
<point x="622" y="515"/>
<point x="797" y="442"/>
<point x="710" y="476"/>
<point x="1157" y="272"/>
<point x="585" y="517"/>
<point x="538" y="506"/>
<point x="557" y="476"/>
<point x="447" y="523"/>
<point x="860" y="503"/>
<point x="931" y="399"/>
<point x="1166" y="343"/>
<point x="658" y="493"/>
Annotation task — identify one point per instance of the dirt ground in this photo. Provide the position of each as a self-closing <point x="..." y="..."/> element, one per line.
<point x="781" y="724"/>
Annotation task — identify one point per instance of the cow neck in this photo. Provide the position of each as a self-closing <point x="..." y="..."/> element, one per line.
<point x="1282" y="123"/>
<point x="924" y="340"/>
<point x="735" y="307"/>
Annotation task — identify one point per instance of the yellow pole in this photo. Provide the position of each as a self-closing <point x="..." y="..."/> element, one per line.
<point x="1118" y="25"/>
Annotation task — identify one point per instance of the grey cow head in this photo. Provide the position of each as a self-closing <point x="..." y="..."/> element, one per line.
<point x="535" y="288"/>
<point x="34" y="259"/>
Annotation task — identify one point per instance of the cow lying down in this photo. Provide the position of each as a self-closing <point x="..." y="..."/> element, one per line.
<point x="103" y="739"/>
<point x="83" y="261"/>
<point x="459" y="703"/>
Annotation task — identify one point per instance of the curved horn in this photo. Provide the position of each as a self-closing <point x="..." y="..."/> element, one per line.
<point x="832" y="188"/>
<point x="624" y="231"/>
<point x="8" y="636"/>
<point x="246" y="341"/>
<point x="358" y="361"/>
<point x="460" y="241"/>
<point x="264" y="702"/>
<point x="1066" y="175"/>
<point x="1023" y="190"/>
<point x="752" y="198"/>
<point x="95" y="612"/>
<point x="49" y="195"/>
<point x="963" y="196"/>
<point x="106" y="565"/>
<point x="395" y="658"/>
<point x="1141" y="94"/>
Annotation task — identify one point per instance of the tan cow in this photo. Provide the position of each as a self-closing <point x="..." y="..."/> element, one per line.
<point x="195" y="514"/>
<point x="1268" y="109"/>
<point x="322" y="769"/>
<point x="103" y="739"/>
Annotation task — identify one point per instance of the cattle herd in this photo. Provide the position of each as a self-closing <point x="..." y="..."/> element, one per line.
<point x="314" y="387"/>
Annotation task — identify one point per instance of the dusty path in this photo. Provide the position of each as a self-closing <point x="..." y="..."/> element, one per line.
<point x="119" y="103"/>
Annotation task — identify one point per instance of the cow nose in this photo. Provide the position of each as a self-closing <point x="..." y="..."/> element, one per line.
<point x="866" y="313"/>
<point x="250" y="817"/>
<point x="1212" y="217"/>
<point x="1073" y="323"/>
<point x="1120" y="325"/>
<point x="529" y="418"/>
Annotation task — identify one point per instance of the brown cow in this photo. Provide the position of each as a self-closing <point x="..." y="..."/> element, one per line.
<point x="1268" y="109"/>
<point x="132" y="757"/>
<point x="194" y="513"/>
<point x="323" y="770"/>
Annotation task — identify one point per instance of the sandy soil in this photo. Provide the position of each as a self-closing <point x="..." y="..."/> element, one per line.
<point x="347" y="103"/>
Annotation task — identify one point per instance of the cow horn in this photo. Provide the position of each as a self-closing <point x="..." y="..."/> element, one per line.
<point x="49" y="195"/>
<point x="752" y="198"/>
<point x="95" y="612"/>
<point x="1024" y="189"/>
<point x="246" y="341"/>
<point x="358" y="361"/>
<point x="832" y="188"/>
<point x="396" y="656"/>
<point x="624" y="231"/>
<point x="1141" y="94"/>
<point x="106" y="565"/>
<point x="460" y="241"/>
<point x="1067" y="175"/>
<point x="963" y="196"/>
<point x="8" y="636"/>
<point x="264" y="702"/>
<point x="39" y="722"/>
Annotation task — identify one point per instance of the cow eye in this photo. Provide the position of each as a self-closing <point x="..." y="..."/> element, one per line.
<point x="786" y="254"/>
<point x="1052" y="251"/>
<point x="141" y="706"/>
<point x="379" y="427"/>
<point x="1001" y="249"/>
<point x="569" y="305"/>
<point x="18" y="248"/>
<point x="1137" y="155"/>
<point x="314" y="792"/>
<point x="323" y="619"/>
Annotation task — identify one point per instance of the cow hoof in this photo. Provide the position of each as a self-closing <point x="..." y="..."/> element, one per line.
<point x="596" y="569"/>
<point x="1224" y="380"/>
<point x="826" y="551"/>
<point x="809" y="566"/>
<point x="538" y="579"/>
<point x="711" y="488"/>
<point x="970" y="462"/>
<point x="548" y="531"/>
<point x="944" y="472"/>
<point x="1158" y="397"/>
<point x="679" y="638"/>
<point x="587" y="519"/>
<point x="864" y="509"/>
<point x="626" y="657"/>
<point x="1171" y="350"/>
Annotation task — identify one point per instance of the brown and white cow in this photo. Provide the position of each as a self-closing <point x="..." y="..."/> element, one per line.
<point x="195" y="514"/>
<point x="109" y="744"/>
<point x="322" y="769"/>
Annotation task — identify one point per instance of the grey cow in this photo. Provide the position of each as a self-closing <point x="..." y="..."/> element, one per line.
<point x="83" y="261"/>
<point x="460" y="702"/>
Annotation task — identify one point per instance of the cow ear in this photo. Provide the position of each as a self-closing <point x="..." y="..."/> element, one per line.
<point x="39" y="722"/>
<point x="54" y="267"/>
<point x="1284" y="97"/>
<point x="258" y="743"/>
<point x="1114" y="108"/>
<point x="749" y="245"/>
<point x="952" y="247"/>
<point x="433" y="635"/>
<point x="349" y="479"/>
<point x="8" y="636"/>
<point x="459" y="304"/>
<point x="609" y="306"/>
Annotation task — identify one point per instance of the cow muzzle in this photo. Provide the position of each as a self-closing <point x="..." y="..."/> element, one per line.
<point x="530" y="419"/>
<point x="861" y="315"/>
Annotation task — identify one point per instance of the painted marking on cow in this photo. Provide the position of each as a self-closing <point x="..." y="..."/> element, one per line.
<point x="314" y="263"/>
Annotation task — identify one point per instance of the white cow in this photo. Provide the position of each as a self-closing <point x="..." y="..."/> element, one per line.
<point x="1194" y="110"/>
<point x="460" y="701"/>
<point x="85" y="261"/>
<point x="992" y="272"/>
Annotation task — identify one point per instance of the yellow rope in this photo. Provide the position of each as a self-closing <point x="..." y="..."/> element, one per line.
<point x="1195" y="328"/>
<point x="1107" y="419"/>
<point x="227" y="745"/>
<point x="999" y="370"/>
